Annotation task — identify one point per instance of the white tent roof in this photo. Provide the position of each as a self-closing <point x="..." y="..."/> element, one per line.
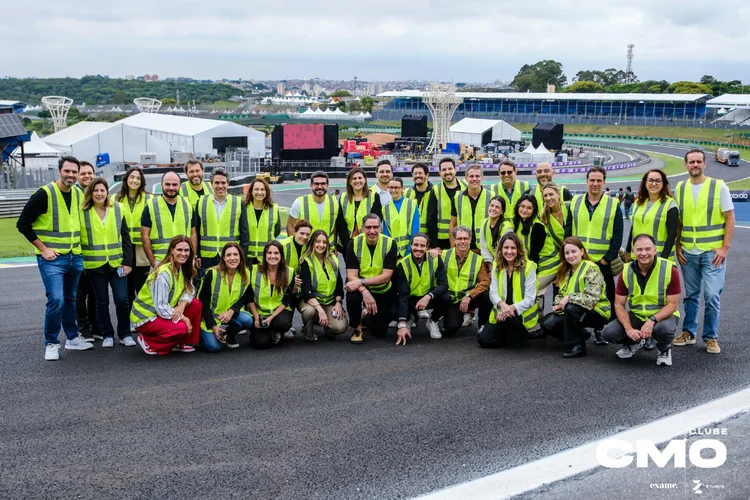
<point x="473" y="125"/>
<point x="532" y="149"/>
<point x="337" y="111"/>
<point x="542" y="149"/>
<point x="81" y="130"/>
<point x="308" y="111"/>
<point x="36" y="147"/>
<point x="186" y="126"/>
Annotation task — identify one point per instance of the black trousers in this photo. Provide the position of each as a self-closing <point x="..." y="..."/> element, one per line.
<point x="609" y="284"/>
<point x="509" y="333"/>
<point x="263" y="338"/>
<point x="136" y="280"/>
<point x="453" y="318"/>
<point x="437" y="304"/>
<point x="86" y="308"/>
<point x="378" y="323"/>
<point x="569" y="326"/>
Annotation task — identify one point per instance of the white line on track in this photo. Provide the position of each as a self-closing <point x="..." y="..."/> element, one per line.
<point x="571" y="462"/>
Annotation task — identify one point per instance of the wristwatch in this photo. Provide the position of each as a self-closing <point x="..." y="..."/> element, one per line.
<point x="401" y="325"/>
<point x="653" y="318"/>
<point x="363" y="281"/>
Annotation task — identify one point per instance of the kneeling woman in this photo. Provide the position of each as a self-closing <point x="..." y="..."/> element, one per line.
<point x="513" y="296"/>
<point x="273" y="288"/>
<point x="165" y="314"/>
<point x="225" y="290"/>
<point x="322" y="289"/>
<point x="581" y="302"/>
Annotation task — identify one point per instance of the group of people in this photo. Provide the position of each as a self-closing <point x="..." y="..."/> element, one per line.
<point x="197" y="266"/>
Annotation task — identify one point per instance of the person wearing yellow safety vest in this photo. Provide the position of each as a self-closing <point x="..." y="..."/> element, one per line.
<point x="165" y="217"/>
<point x="133" y="198"/>
<point x="440" y="206"/>
<point x="508" y="187"/>
<point x="51" y="221"/>
<point x="107" y="259"/>
<point x="703" y="239"/>
<point x="420" y="173"/>
<point x="195" y="187"/>
<point x="528" y="227"/>
<point x="165" y="313"/>
<point x="581" y="302"/>
<point x="296" y="244"/>
<point x="220" y="218"/>
<point x="596" y="220"/>
<point x="400" y="217"/>
<point x="544" y="175"/>
<point x="273" y="288"/>
<point x="322" y="290"/>
<point x="88" y="325"/>
<point x="471" y="206"/>
<point x="655" y="212"/>
<point x="468" y="282"/>
<point x="492" y="228"/>
<point x="225" y="290"/>
<point x="553" y="215"/>
<point x="421" y="283"/>
<point x="319" y="208"/>
<point x="513" y="296"/>
<point x="646" y="302"/>
<point x="358" y="201"/>
<point x="371" y="259"/>
<point x="266" y="224"/>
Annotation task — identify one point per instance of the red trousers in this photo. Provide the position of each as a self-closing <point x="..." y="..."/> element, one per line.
<point x="162" y="334"/>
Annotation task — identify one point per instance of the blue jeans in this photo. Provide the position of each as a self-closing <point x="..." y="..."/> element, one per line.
<point x="699" y="269"/>
<point x="60" y="278"/>
<point x="101" y="283"/>
<point x="241" y="321"/>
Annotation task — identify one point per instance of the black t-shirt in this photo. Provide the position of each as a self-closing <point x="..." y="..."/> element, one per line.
<point x="391" y="258"/>
<point x="146" y="216"/>
<point x="35" y="207"/>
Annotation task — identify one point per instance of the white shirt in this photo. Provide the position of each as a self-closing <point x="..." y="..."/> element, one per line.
<point x="385" y="196"/>
<point x="725" y="202"/>
<point x="529" y="294"/>
<point x="160" y="292"/>
<point x="295" y="210"/>
<point x="219" y="206"/>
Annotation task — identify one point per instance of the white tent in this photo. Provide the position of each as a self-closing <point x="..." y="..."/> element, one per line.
<point x="195" y="135"/>
<point x="338" y="111"/>
<point x="530" y="149"/>
<point x="477" y="132"/>
<point x="542" y="154"/>
<point x="37" y="153"/>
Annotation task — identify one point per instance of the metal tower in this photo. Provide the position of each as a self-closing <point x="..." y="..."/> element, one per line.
<point x="442" y="102"/>
<point x="629" y="68"/>
<point x="147" y="104"/>
<point x="58" y="107"/>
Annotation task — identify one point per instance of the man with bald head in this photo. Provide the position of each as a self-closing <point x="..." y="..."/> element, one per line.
<point x="165" y="217"/>
<point x="544" y="175"/>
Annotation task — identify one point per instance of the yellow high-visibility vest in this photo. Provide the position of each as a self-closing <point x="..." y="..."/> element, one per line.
<point x="58" y="228"/>
<point x="101" y="242"/>
<point x="703" y="223"/>
<point x="645" y="303"/>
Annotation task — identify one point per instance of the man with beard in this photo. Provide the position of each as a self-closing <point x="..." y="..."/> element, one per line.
<point x="165" y="217"/>
<point x="318" y="207"/>
<point x="422" y="187"/>
<point x="440" y="206"/>
<point x="471" y="205"/>
<point x="510" y="189"/>
<point x="194" y="188"/>
<point x="384" y="173"/>
<point x="88" y="326"/>
<point x="544" y="175"/>
<point x="703" y="240"/>
<point x="51" y="221"/>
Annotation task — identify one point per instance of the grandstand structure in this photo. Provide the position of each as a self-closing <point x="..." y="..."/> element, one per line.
<point x="516" y="107"/>
<point x="732" y="109"/>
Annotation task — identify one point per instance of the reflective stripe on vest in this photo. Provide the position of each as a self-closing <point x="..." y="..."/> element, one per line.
<point x="371" y="263"/>
<point x="261" y="231"/>
<point x="486" y="231"/>
<point x="223" y="297"/>
<point x="603" y="306"/>
<point x="102" y="243"/>
<point x="530" y="317"/>
<point x="646" y="303"/>
<point x="189" y="193"/>
<point x="133" y="216"/>
<point x="519" y="187"/>
<point x="267" y="299"/>
<point x="328" y="222"/>
<point x="465" y="216"/>
<point x="594" y="233"/>
<point x="399" y="223"/>
<point x="164" y="227"/>
<point x="424" y="282"/>
<point x="444" y="209"/>
<point x="353" y="215"/>
<point x="422" y="205"/>
<point x="57" y="231"/>
<point x="652" y="220"/>
<point x="703" y="224"/>
<point x="143" y="307"/>
<point x="290" y="252"/>
<point x="323" y="283"/>
<point x="214" y="234"/>
<point x="461" y="282"/>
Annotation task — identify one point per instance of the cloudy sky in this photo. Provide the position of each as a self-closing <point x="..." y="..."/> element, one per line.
<point x="468" y="40"/>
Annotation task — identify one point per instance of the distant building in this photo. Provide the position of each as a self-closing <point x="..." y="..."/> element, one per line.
<point x="280" y="88"/>
<point x="374" y="88"/>
<point x="129" y="77"/>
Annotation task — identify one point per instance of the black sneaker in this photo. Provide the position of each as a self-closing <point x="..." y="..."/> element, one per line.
<point x="649" y="344"/>
<point x="598" y="338"/>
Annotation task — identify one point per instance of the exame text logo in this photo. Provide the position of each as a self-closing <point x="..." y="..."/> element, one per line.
<point x="676" y="451"/>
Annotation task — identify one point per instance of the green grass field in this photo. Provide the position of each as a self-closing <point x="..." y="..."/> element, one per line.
<point x="674" y="165"/>
<point x="743" y="184"/>
<point x="13" y="244"/>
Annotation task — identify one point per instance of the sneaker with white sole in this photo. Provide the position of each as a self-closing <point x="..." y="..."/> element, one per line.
<point x="665" y="357"/>
<point x="52" y="352"/>
<point x="127" y="341"/>
<point x="627" y="351"/>
<point x="468" y="319"/>
<point x="434" y="330"/>
<point x="96" y="337"/>
<point x="146" y="348"/>
<point x="423" y="314"/>
<point x="90" y="339"/>
<point x="78" y="344"/>
<point x="289" y="335"/>
<point x="108" y="342"/>
<point x="183" y="348"/>
<point x="685" y="338"/>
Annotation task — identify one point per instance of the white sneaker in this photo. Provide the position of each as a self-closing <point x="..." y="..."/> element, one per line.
<point x="393" y="324"/>
<point x="665" y="357"/>
<point x="90" y="339"/>
<point x="108" y="342"/>
<point x="52" y="352"/>
<point x="78" y="344"/>
<point x="288" y="335"/>
<point x="434" y="330"/>
<point x="627" y="351"/>
<point x="128" y="342"/>
<point x="468" y="319"/>
<point x="423" y="314"/>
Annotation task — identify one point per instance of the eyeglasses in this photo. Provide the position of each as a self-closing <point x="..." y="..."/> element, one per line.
<point x="510" y="172"/>
<point x="653" y="181"/>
